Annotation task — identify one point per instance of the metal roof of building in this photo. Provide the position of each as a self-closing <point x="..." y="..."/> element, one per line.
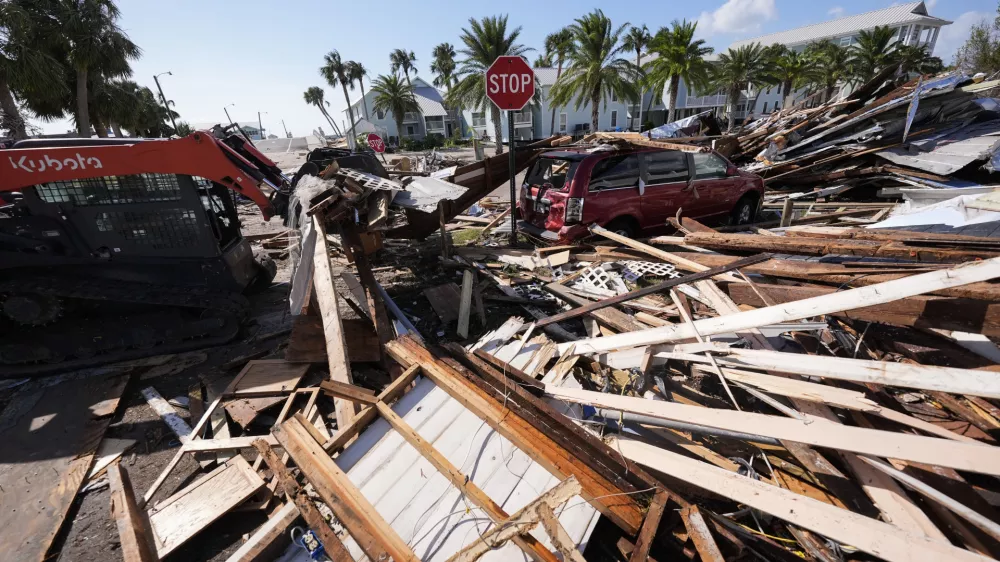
<point x="904" y="14"/>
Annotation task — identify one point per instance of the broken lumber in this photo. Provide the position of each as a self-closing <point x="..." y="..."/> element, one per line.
<point x="133" y="527"/>
<point x="798" y="310"/>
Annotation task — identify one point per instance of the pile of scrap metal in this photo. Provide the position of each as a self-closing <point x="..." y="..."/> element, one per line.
<point x="927" y="139"/>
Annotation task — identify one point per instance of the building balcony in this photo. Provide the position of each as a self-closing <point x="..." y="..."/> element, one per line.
<point x="705" y="101"/>
<point x="410" y="117"/>
<point x="522" y="119"/>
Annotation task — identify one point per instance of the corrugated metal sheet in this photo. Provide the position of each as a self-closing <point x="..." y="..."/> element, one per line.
<point x="913" y="12"/>
<point x="948" y="152"/>
<point x="427" y="512"/>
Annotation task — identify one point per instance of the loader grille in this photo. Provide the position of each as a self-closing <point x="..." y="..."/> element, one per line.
<point x="161" y="229"/>
<point x="112" y="190"/>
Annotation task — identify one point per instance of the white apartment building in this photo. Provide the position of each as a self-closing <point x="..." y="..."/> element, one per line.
<point x="911" y="23"/>
<point x="432" y="117"/>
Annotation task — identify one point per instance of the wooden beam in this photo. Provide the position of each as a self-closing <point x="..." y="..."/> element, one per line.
<point x="133" y="527"/>
<point x="817" y="306"/>
<point x="700" y="535"/>
<point x="649" y="526"/>
<point x="334" y="548"/>
<point x="267" y="539"/>
<point x="352" y="509"/>
<point x="868" y="535"/>
<point x="964" y="315"/>
<point x="558" y="535"/>
<point x="528" y="543"/>
<point x="325" y="295"/>
<point x="465" y="305"/>
<point x="611" y="317"/>
<point x="953" y="454"/>
<point x="348" y="392"/>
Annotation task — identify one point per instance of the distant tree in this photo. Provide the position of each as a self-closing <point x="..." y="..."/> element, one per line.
<point x="597" y="71"/>
<point x="917" y="59"/>
<point x="358" y="73"/>
<point x="558" y="47"/>
<point x="404" y="60"/>
<point x="484" y="41"/>
<point x="393" y="96"/>
<point x="25" y="66"/>
<point x="315" y="96"/>
<point x="183" y="129"/>
<point x="981" y="51"/>
<point x="872" y="53"/>
<point x="637" y="39"/>
<point x="337" y="71"/>
<point x="542" y="61"/>
<point x="443" y="65"/>
<point x="679" y="56"/>
<point x="737" y="70"/>
<point x="791" y="71"/>
<point x="832" y="65"/>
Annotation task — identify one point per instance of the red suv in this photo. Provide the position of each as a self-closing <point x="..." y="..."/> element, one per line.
<point x="630" y="191"/>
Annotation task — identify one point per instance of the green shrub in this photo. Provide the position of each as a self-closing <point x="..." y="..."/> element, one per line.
<point x="433" y="140"/>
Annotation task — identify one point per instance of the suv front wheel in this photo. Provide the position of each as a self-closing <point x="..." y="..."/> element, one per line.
<point x="745" y="210"/>
<point x="623" y="226"/>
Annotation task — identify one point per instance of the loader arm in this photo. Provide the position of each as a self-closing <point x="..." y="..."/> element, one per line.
<point x="198" y="154"/>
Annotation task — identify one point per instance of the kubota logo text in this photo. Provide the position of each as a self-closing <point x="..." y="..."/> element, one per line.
<point x="47" y="162"/>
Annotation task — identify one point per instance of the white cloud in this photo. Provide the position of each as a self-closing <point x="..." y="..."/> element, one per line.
<point x="836" y="12"/>
<point x="930" y="4"/>
<point x="737" y="16"/>
<point x="953" y="36"/>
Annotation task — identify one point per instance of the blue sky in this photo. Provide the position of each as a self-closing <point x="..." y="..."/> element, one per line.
<point x="261" y="55"/>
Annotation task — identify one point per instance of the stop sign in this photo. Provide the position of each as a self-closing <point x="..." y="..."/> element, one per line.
<point x="376" y="142"/>
<point x="510" y="83"/>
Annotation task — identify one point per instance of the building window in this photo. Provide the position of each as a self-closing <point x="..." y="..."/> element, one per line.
<point x="478" y="118"/>
<point x="434" y="123"/>
<point x="777" y="105"/>
<point x="380" y="114"/>
<point x="614" y="96"/>
<point x="614" y="118"/>
<point x="845" y="41"/>
<point x="563" y="122"/>
<point x="765" y="108"/>
<point x="409" y="130"/>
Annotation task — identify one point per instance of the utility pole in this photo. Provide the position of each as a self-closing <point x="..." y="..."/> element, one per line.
<point x="261" y="125"/>
<point x="156" y="78"/>
<point x="226" y="109"/>
<point x="287" y="136"/>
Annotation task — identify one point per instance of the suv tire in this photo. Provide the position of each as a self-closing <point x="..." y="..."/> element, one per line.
<point x="745" y="210"/>
<point x="623" y="226"/>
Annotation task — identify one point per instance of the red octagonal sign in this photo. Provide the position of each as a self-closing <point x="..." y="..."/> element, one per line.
<point x="510" y="83"/>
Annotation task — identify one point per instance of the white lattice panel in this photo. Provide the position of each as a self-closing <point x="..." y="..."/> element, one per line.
<point x="633" y="270"/>
<point x="600" y="280"/>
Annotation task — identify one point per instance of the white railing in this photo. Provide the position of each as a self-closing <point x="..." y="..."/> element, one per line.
<point x="410" y="117"/>
<point x="700" y="101"/>
<point x="522" y="118"/>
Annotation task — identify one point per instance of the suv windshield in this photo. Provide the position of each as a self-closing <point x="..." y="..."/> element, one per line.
<point x="555" y="171"/>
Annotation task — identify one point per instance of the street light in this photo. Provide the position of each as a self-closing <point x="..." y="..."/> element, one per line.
<point x="261" y="124"/>
<point x="226" y="109"/>
<point x="156" y="78"/>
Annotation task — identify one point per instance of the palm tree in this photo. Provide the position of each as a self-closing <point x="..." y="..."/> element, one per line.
<point x="791" y="71"/>
<point x="395" y="97"/>
<point x="912" y="58"/>
<point x="558" y="46"/>
<point x="596" y="70"/>
<point x="873" y="52"/>
<point x="637" y="39"/>
<point x="405" y="61"/>
<point x="679" y="57"/>
<point x="337" y="72"/>
<point x="315" y="96"/>
<point x="444" y="67"/>
<point x="94" y="42"/>
<point x="832" y="64"/>
<point x="25" y="68"/>
<point x="543" y="60"/>
<point x="737" y="70"/>
<point x="358" y="73"/>
<point x="484" y="40"/>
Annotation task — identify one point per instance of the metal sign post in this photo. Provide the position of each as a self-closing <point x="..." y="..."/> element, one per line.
<point x="510" y="84"/>
<point x="513" y="172"/>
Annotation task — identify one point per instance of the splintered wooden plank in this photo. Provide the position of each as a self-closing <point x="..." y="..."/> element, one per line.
<point x="333" y="330"/>
<point x="189" y="511"/>
<point x="133" y="529"/>
<point x="110" y="450"/>
<point x="444" y="300"/>
<point x="465" y="305"/>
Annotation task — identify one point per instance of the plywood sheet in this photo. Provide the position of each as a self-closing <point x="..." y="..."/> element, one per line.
<point x="268" y="376"/>
<point x="444" y="300"/>
<point x="308" y="344"/>
<point x="49" y="437"/>
<point x="189" y="511"/>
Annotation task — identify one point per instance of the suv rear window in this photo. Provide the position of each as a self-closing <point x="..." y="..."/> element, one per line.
<point x="555" y="171"/>
<point x="615" y="172"/>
